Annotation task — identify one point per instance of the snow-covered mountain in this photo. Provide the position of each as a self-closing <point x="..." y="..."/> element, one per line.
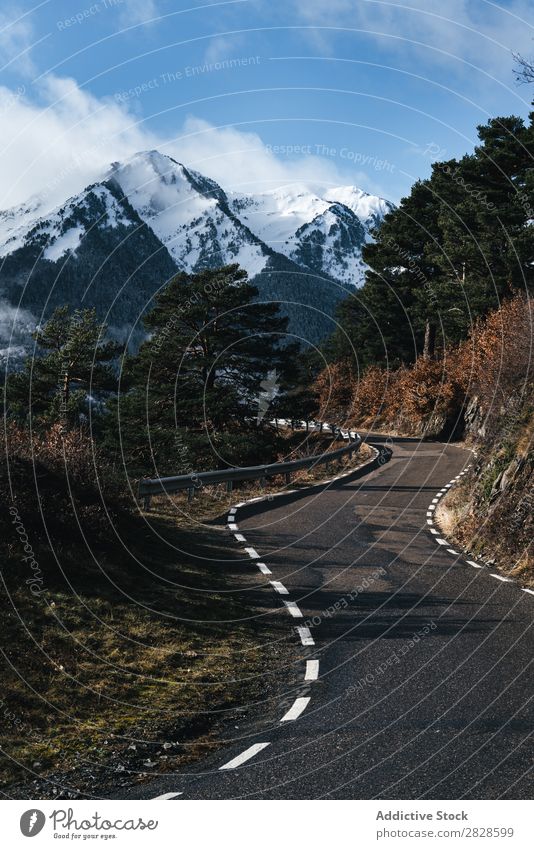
<point x="324" y="232"/>
<point x="116" y="242"/>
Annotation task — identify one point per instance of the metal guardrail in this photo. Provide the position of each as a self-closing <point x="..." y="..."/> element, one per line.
<point x="196" y="480"/>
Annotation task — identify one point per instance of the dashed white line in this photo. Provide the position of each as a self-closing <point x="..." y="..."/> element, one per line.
<point x="298" y="706"/>
<point x="305" y="636"/>
<point x="240" y="537"/>
<point x="441" y="541"/>
<point x="265" y="569"/>
<point x="312" y="667"/>
<point x="435" y="500"/>
<point x="232" y="526"/>
<point x="433" y="531"/>
<point x="252" y="553"/>
<point x="502" y="578"/>
<point x="168" y="796"/>
<point x="245" y="756"/>
<point x="452" y="551"/>
<point x="476" y="565"/>
<point x="430" y="521"/>
<point x="279" y="587"/>
<point x="526" y="590"/>
<point x="294" y="609"/>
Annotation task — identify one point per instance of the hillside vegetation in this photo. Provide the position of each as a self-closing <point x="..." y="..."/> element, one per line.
<point x="438" y="343"/>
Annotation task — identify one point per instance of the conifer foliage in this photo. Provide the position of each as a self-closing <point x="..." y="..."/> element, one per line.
<point x="449" y="253"/>
<point x="192" y="393"/>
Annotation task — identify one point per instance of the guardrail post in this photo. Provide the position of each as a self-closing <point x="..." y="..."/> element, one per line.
<point x="229" y="486"/>
<point x="190" y="493"/>
<point x="146" y="503"/>
<point x="288" y="477"/>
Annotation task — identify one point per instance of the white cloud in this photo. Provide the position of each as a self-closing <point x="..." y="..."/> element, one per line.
<point x="138" y="12"/>
<point x="59" y="144"/>
<point x="56" y="145"/>
<point x="16" y="39"/>
<point x="481" y="33"/>
<point x="224" y="47"/>
<point x="240" y="160"/>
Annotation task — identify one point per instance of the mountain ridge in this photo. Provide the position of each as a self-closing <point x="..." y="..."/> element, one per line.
<point x="151" y="216"/>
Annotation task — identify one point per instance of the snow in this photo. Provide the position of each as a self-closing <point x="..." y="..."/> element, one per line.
<point x="288" y="217"/>
<point x="114" y="214"/>
<point x="16" y="223"/>
<point x="191" y="225"/>
<point x="364" y="205"/>
<point x="276" y="215"/>
<point x="331" y="225"/>
<point x="69" y="241"/>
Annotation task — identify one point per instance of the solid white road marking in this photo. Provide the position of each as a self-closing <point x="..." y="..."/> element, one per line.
<point x="294" y="609"/>
<point x="298" y="706"/>
<point x="263" y="568"/>
<point x="312" y="668"/>
<point x="245" y="756"/>
<point x="476" y="565"/>
<point x="252" y="553"/>
<point x="279" y="587"/>
<point x="168" y="796"/>
<point x="305" y="636"/>
<point x="240" y="537"/>
<point x="502" y="578"/>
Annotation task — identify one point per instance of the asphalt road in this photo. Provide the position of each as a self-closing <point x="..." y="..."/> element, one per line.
<point x="417" y="682"/>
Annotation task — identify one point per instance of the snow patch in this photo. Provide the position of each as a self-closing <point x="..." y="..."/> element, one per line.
<point x="67" y="242"/>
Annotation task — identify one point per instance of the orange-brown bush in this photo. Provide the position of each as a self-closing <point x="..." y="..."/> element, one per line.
<point x="492" y="369"/>
<point x="334" y="389"/>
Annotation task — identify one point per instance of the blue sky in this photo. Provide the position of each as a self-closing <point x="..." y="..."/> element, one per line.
<point x="254" y="93"/>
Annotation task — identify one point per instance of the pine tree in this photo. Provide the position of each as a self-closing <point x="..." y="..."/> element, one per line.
<point x="197" y="381"/>
<point x="72" y="362"/>
<point x="452" y="250"/>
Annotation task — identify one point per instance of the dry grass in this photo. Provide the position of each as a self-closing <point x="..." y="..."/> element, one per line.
<point x="162" y="657"/>
<point x="213" y="501"/>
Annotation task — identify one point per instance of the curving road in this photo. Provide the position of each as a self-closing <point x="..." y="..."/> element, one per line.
<point x="412" y="673"/>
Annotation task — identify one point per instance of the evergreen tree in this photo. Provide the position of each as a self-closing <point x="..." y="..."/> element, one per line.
<point x="197" y="381"/>
<point x="452" y="250"/>
<point x="72" y="362"/>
